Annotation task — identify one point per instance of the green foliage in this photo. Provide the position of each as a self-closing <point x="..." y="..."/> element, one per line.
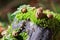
<point x="24" y="35"/>
<point x="8" y="37"/>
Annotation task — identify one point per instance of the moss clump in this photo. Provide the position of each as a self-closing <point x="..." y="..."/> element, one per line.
<point x="53" y="23"/>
